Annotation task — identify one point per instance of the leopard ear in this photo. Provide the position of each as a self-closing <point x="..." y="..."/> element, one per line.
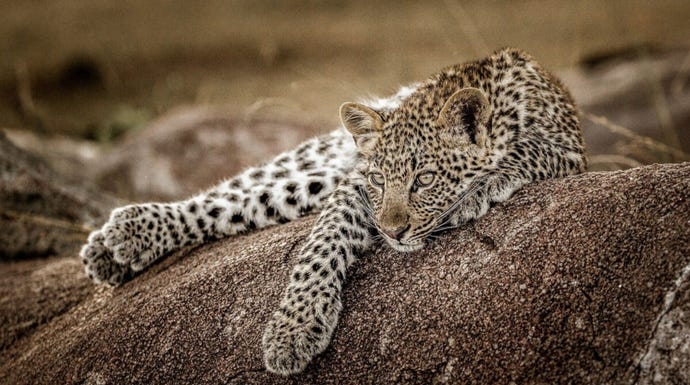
<point x="363" y="123"/>
<point x="465" y="116"/>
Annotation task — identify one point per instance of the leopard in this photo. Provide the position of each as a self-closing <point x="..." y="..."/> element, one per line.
<point x="432" y="157"/>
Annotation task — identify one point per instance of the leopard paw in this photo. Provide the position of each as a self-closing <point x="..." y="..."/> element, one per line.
<point x="99" y="264"/>
<point x="289" y="343"/>
<point x="136" y="235"/>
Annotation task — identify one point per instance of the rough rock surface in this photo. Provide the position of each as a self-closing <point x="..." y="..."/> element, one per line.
<point x="580" y="280"/>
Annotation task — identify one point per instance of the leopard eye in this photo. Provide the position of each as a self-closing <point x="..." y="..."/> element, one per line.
<point x="425" y="179"/>
<point x="377" y="179"/>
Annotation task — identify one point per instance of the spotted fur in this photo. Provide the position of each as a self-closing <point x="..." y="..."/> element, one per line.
<point x="431" y="157"/>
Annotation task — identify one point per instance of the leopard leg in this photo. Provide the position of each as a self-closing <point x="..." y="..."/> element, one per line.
<point x="293" y="184"/>
<point x="303" y="325"/>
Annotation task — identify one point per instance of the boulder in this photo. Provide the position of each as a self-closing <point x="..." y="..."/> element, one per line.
<point x="580" y="280"/>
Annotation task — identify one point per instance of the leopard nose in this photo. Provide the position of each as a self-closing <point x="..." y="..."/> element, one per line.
<point x="395" y="233"/>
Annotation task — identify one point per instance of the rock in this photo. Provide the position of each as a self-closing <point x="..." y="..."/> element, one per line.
<point x="41" y="212"/>
<point x="579" y="280"/>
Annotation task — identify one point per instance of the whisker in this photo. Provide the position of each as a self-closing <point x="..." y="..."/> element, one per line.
<point x="443" y="221"/>
<point x="474" y="186"/>
<point x="441" y="229"/>
<point x="368" y="210"/>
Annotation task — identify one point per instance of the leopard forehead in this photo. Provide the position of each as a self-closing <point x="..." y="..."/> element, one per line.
<point x="410" y="140"/>
<point x="410" y="126"/>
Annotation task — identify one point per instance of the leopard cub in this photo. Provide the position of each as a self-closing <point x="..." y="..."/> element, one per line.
<point x="429" y="158"/>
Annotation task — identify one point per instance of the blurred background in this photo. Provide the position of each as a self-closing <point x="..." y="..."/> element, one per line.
<point x="139" y="96"/>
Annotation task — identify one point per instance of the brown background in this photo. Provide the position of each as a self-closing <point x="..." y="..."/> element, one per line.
<point x="95" y="67"/>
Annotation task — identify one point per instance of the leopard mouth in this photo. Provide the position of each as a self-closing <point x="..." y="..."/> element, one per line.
<point x="403" y="246"/>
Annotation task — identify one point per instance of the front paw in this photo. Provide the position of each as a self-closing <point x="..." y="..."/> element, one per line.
<point x="290" y="342"/>
<point x="138" y="234"/>
<point x="99" y="264"/>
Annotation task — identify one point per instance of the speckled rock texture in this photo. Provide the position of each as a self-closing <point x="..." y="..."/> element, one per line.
<point x="584" y="280"/>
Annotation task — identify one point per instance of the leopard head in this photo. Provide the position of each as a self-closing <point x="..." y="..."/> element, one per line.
<point x="419" y="159"/>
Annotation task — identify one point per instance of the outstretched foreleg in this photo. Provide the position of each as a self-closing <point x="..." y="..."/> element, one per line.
<point x="308" y="313"/>
<point x="291" y="185"/>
